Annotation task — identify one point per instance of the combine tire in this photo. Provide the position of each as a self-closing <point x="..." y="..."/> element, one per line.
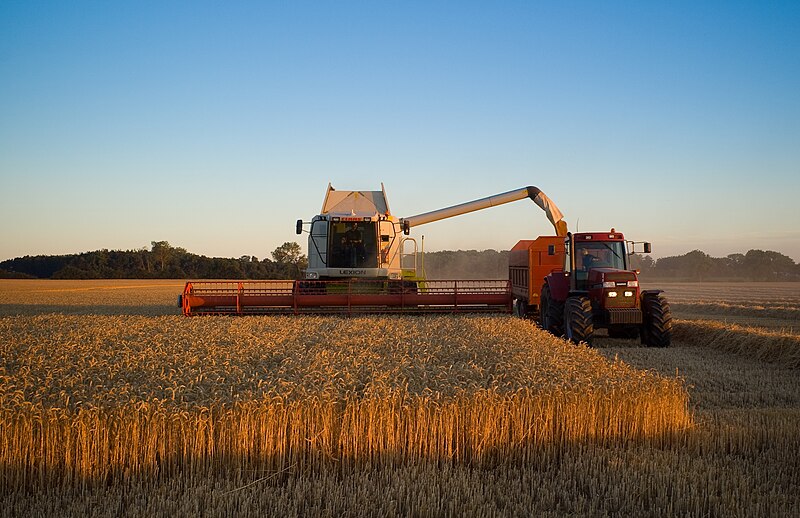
<point x="309" y="288"/>
<point x="551" y="313"/>
<point x="578" y="324"/>
<point x="657" y="327"/>
<point x="398" y="287"/>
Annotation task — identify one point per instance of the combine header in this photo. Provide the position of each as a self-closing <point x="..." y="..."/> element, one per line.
<point x="344" y="297"/>
<point x="361" y="261"/>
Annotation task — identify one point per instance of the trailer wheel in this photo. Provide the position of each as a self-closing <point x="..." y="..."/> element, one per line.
<point x="520" y="308"/>
<point x="656" y="329"/>
<point x="551" y="313"/>
<point x="578" y="323"/>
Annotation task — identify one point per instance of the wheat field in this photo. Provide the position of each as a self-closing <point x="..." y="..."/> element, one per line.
<point x="113" y="404"/>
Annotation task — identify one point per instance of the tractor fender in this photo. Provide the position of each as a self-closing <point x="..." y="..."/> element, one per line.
<point x="644" y="293"/>
<point x="559" y="286"/>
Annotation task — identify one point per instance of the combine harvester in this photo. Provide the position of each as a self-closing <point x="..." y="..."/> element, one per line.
<point x="361" y="261"/>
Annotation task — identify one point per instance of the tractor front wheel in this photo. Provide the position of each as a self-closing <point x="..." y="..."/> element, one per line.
<point x="551" y="313"/>
<point x="578" y="324"/>
<point x="656" y="328"/>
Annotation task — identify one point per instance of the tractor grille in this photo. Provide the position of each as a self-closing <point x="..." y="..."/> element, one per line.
<point x="624" y="316"/>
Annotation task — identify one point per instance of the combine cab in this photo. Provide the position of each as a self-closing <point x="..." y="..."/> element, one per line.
<point x="355" y="236"/>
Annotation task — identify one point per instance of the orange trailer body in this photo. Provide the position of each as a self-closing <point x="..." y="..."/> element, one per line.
<point x="530" y="261"/>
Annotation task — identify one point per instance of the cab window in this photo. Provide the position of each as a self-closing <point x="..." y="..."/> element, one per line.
<point x="353" y="244"/>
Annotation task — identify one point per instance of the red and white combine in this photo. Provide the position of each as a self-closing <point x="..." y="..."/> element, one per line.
<point x="362" y="260"/>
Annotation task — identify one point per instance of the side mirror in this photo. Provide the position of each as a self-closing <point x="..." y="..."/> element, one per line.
<point x="647" y="248"/>
<point x="299" y="228"/>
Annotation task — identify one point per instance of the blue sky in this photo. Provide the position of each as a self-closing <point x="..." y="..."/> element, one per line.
<point x="215" y="125"/>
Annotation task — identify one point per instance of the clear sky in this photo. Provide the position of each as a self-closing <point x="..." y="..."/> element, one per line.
<point x="216" y="125"/>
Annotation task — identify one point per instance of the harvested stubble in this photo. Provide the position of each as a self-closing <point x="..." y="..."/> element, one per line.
<point x="97" y="297"/>
<point x="789" y="312"/>
<point x="768" y="305"/>
<point x="747" y="293"/>
<point x="101" y="398"/>
<point x="773" y="346"/>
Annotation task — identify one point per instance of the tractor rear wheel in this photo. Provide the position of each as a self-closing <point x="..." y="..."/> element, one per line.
<point x="578" y="323"/>
<point x="551" y="313"/>
<point x="657" y="321"/>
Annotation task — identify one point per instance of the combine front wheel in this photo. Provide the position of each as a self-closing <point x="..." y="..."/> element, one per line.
<point x="578" y="324"/>
<point x="657" y="326"/>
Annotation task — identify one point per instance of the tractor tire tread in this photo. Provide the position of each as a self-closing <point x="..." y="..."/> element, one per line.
<point x="657" y="326"/>
<point x="551" y="316"/>
<point x="578" y="322"/>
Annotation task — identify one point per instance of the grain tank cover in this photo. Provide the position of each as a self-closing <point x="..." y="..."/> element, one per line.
<point x="355" y="203"/>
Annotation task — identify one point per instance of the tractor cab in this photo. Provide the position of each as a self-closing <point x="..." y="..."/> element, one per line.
<point x="594" y="251"/>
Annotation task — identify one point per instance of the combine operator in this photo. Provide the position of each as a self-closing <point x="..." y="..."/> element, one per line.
<point x="354" y="246"/>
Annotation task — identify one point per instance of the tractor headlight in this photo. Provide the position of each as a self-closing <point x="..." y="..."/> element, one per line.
<point x="312" y="275"/>
<point x="612" y="294"/>
<point x="608" y="284"/>
<point x="629" y="294"/>
<point x="633" y="284"/>
<point x="394" y="276"/>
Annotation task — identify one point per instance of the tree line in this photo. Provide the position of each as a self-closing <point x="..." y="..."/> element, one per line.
<point x="755" y="265"/>
<point x="161" y="261"/>
<point x="287" y="262"/>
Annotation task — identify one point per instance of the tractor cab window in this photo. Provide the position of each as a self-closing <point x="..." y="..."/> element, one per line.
<point x="597" y="254"/>
<point x="353" y="244"/>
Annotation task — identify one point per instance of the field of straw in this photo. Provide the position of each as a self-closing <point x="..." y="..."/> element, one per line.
<point x="772" y="305"/>
<point x="112" y="404"/>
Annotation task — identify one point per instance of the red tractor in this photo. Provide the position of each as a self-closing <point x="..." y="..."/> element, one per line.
<point x="582" y="282"/>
